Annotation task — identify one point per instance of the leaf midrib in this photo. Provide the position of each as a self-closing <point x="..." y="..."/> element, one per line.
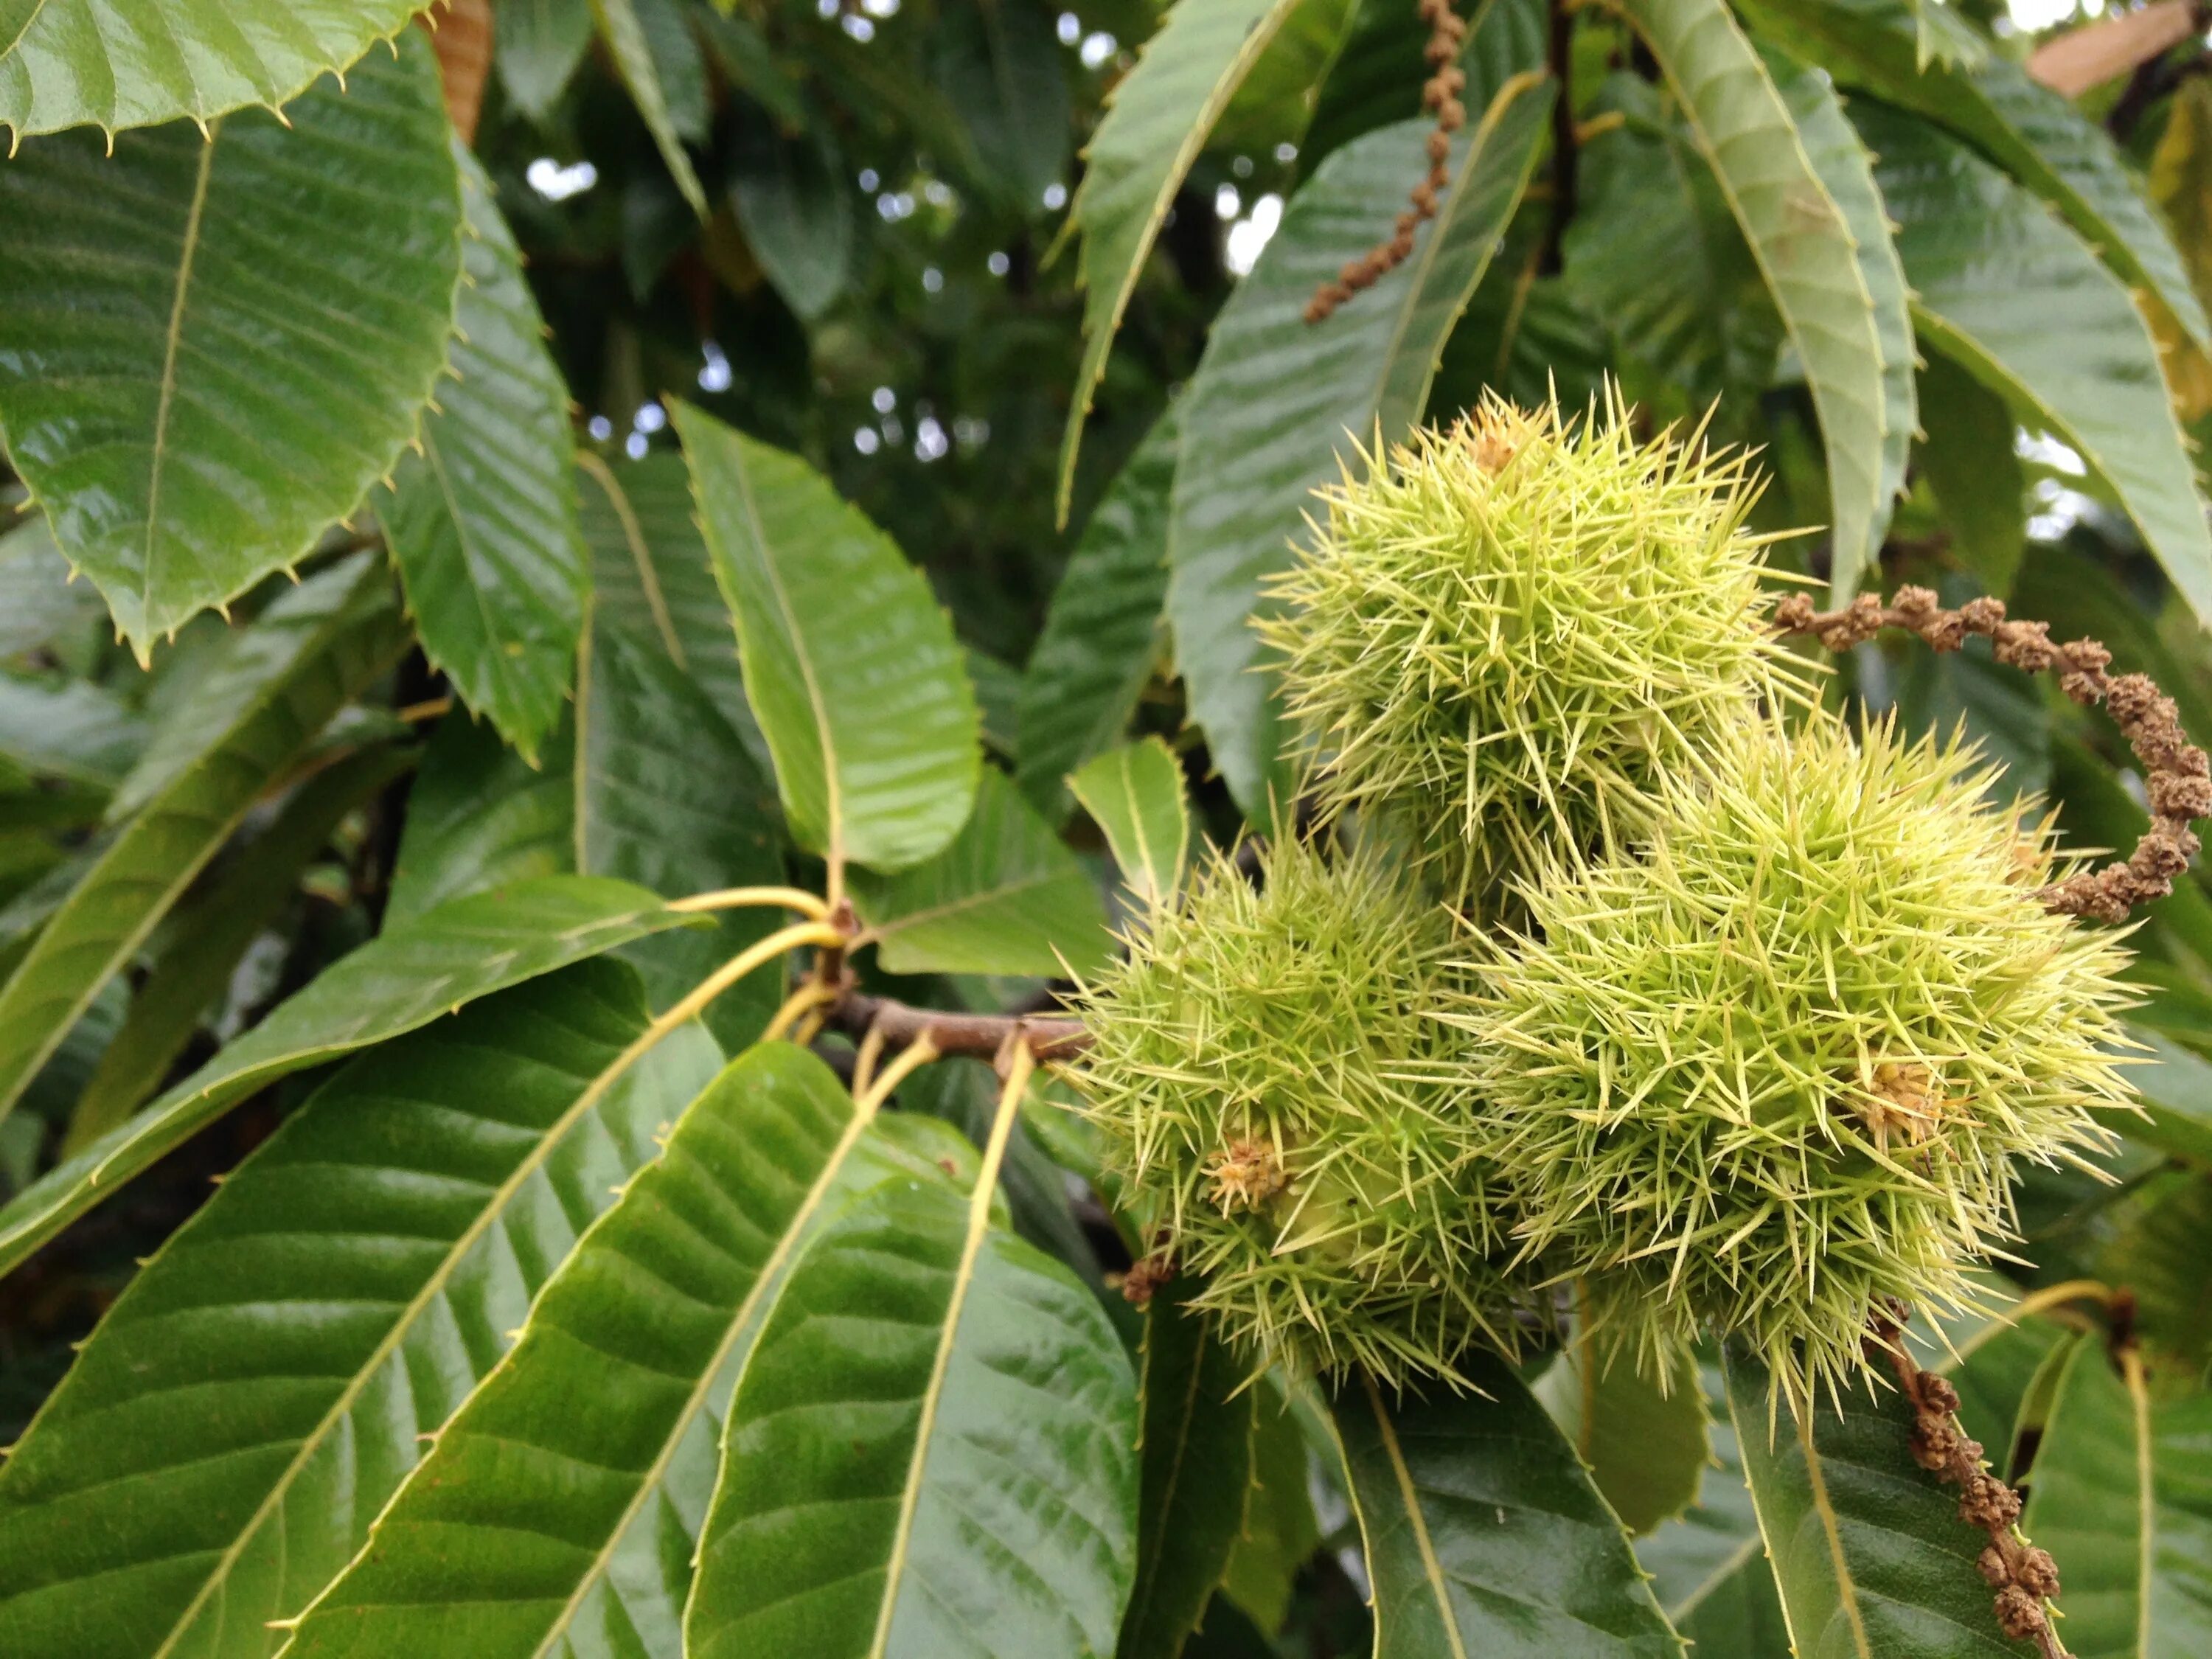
<point x="170" y="340"/>
<point x="1410" y="1496"/>
<point x="979" y="1221"/>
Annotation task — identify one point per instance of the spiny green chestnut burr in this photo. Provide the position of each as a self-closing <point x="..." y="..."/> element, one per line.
<point x="1781" y="1064"/>
<point x="1502" y="635"/>
<point x="1266" y="1069"/>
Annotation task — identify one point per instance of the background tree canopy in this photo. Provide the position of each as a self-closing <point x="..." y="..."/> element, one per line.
<point x="535" y="535"/>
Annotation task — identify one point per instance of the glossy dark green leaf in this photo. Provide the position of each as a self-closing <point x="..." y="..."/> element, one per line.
<point x="651" y="572"/>
<point x="1656" y="255"/>
<point x="2033" y="133"/>
<point x="1645" y="1446"/>
<point x="796" y="212"/>
<point x="849" y="665"/>
<point x="1101" y="637"/>
<point x="998" y="687"/>
<point x="1004" y="897"/>
<point x="264" y="1385"/>
<point x="1195" y="1474"/>
<point x="1005" y="74"/>
<point x="1968" y="459"/>
<point x="57" y="728"/>
<point x="1996" y="1375"/>
<point x="2174" y="1087"/>
<point x="1135" y="796"/>
<point x="479" y="816"/>
<point x="556" y="1513"/>
<point x="112" y="63"/>
<point x="1156" y="122"/>
<point x="146" y="868"/>
<point x="1278" y="405"/>
<point x="212" y="932"/>
<point x="481" y="516"/>
<point x="2158" y="1254"/>
<point x="1868" y="1552"/>
<point x="39" y="603"/>
<point x="539" y="43"/>
<point x="1708" y="1565"/>
<point x="637" y="41"/>
<point x="1815" y="227"/>
<point x="1990" y="267"/>
<point x="1485" y="1535"/>
<point x="2126" y="1533"/>
<point x="964" y="1093"/>
<point x="666" y="796"/>
<point x="1281" y="1531"/>
<point x="197" y="385"/>
<point x="931" y="1451"/>
<point x="401" y="979"/>
<point x="1846" y="172"/>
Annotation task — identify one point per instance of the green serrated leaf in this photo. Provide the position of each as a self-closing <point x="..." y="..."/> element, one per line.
<point x="849" y="665"/>
<point x="558" y="1512"/>
<point x="200" y="366"/>
<point x="537" y="45"/>
<point x="2125" y="1506"/>
<point x="1485" y="1536"/>
<point x="481" y="517"/>
<point x="307" y="1331"/>
<point x="1968" y="459"/>
<point x="650" y="572"/>
<point x="479" y="816"/>
<point x="1991" y="267"/>
<point x="1868" y="1552"/>
<point x="116" y="64"/>
<point x="1647" y="1449"/>
<point x="1803" y="235"/>
<point x="1003" y="72"/>
<point x="1840" y="161"/>
<point x="1281" y="1531"/>
<point x="1278" y="405"/>
<point x="151" y="862"/>
<point x="401" y="979"/>
<point x="998" y="686"/>
<point x="1101" y="634"/>
<point x="916" y="1358"/>
<point x="212" y="934"/>
<point x="2033" y="133"/>
<point x="1195" y="1476"/>
<point x="665" y="108"/>
<point x="1004" y="896"/>
<point x="57" y="728"/>
<point x="1708" y="1565"/>
<point x="1156" y="122"/>
<point x="2157" y="1254"/>
<point x="789" y="191"/>
<point x="39" y="604"/>
<point x="1135" y="795"/>
<point x="667" y="796"/>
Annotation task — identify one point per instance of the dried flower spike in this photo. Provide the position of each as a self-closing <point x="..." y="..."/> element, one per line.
<point x="1504" y="634"/>
<point x="1776" y="1070"/>
<point x="1263" y="1068"/>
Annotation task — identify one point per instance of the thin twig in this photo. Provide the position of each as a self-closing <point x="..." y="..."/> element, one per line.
<point x="2176" y="775"/>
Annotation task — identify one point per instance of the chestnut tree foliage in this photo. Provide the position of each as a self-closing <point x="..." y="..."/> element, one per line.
<point x="681" y="679"/>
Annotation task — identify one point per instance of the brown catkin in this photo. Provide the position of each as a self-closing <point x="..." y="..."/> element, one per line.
<point x="2177" y="777"/>
<point x="2024" y="1577"/>
<point x="1440" y="96"/>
